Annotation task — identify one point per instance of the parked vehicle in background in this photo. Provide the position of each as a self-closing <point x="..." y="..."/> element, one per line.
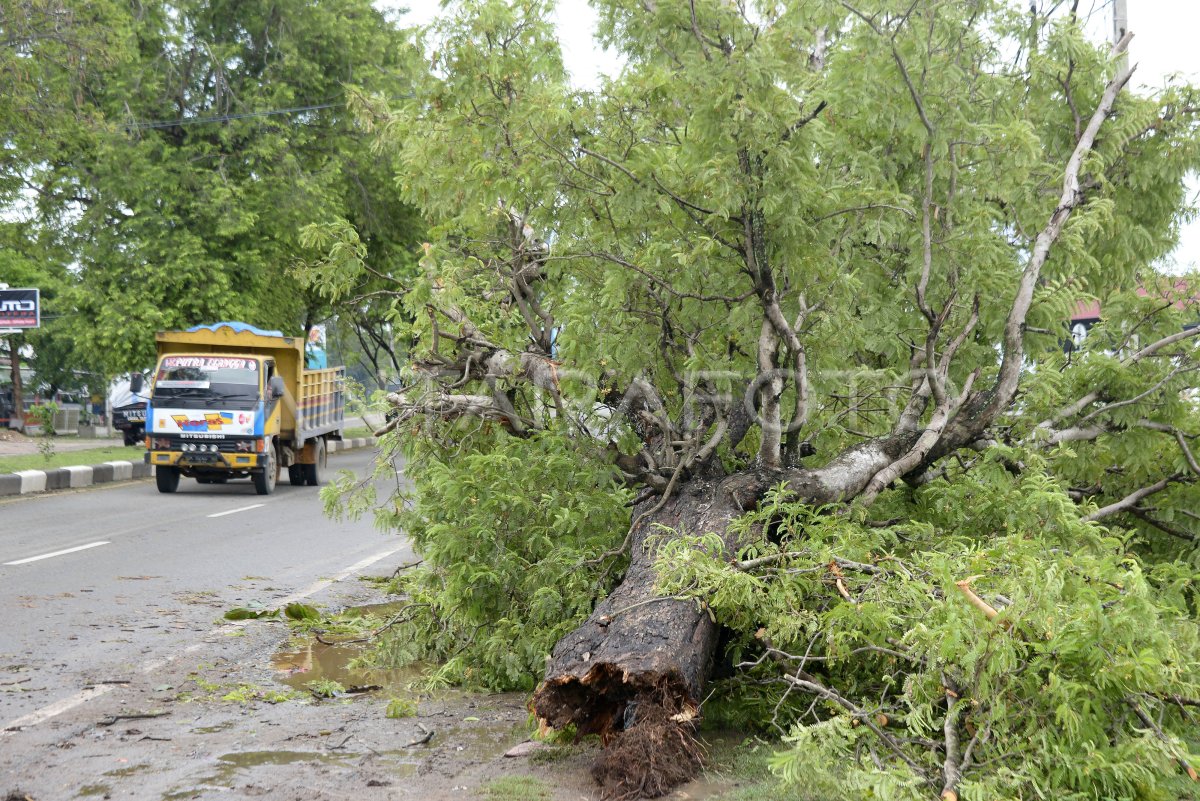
<point x="130" y="421"/>
<point x="230" y="401"/>
<point x="128" y="410"/>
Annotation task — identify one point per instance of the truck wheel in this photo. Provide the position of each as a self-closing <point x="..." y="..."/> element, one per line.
<point x="313" y="471"/>
<point x="133" y="436"/>
<point x="167" y="478"/>
<point x="296" y="475"/>
<point x="264" y="480"/>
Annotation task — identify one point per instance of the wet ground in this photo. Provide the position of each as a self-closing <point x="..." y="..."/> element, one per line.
<point x="261" y="713"/>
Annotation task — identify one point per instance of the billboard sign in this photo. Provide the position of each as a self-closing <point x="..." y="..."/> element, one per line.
<point x="20" y="309"/>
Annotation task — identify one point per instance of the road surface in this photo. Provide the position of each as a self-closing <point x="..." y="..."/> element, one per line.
<point x="100" y="584"/>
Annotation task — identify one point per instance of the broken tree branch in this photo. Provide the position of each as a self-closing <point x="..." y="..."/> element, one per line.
<point x="1130" y="500"/>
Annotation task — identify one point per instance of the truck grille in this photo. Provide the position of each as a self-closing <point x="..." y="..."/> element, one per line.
<point x="203" y="446"/>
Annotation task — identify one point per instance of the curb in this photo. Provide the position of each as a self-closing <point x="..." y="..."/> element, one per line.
<point x="27" y="482"/>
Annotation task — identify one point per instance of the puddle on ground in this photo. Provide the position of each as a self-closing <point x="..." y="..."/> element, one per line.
<point x="229" y="764"/>
<point x="702" y="789"/>
<point x="320" y="662"/>
<point x="254" y="759"/>
<point x="94" y="789"/>
<point x="213" y="729"/>
<point x="483" y="741"/>
<point x="132" y="770"/>
<point x="399" y="763"/>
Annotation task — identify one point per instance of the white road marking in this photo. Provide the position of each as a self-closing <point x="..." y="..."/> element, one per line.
<point x="58" y="553"/>
<point x="235" y="511"/>
<point x="82" y="697"/>
<point x="57" y="708"/>
<point x="350" y="571"/>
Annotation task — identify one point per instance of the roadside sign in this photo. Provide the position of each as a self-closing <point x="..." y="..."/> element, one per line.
<point x="20" y="309"/>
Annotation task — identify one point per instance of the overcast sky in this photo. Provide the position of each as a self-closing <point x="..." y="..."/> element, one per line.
<point x="1165" y="43"/>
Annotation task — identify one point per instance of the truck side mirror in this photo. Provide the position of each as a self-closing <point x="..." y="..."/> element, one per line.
<point x="275" y="387"/>
<point x="136" y="383"/>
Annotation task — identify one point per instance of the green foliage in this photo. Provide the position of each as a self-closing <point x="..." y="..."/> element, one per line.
<point x="874" y="160"/>
<point x="295" y="612"/>
<point x="1085" y="634"/>
<point x="299" y="611"/>
<point x="400" y="708"/>
<point x="505" y="527"/>
<point x="325" y="688"/>
<point x="249" y="693"/>
<point x="44" y="413"/>
<point x="172" y="181"/>
<point x="242" y="613"/>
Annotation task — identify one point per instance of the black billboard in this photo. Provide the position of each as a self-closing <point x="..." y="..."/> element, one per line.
<point x="20" y="308"/>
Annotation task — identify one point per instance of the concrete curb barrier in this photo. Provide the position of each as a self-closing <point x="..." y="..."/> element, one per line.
<point x="26" y="482"/>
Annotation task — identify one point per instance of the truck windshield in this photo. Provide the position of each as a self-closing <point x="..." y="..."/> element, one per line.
<point x="206" y="376"/>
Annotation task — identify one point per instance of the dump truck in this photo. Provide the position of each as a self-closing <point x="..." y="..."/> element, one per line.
<point x="233" y="401"/>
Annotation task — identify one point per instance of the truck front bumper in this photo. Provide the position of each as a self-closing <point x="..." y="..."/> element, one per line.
<point x="217" y="461"/>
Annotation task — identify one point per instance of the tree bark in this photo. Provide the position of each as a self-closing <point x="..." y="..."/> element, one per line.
<point x="635" y="670"/>
<point x="638" y="643"/>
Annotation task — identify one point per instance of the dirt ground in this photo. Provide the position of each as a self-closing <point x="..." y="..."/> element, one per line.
<point x="204" y="727"/>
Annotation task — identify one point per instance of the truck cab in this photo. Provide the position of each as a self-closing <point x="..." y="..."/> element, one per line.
<point x="238" y="403"/>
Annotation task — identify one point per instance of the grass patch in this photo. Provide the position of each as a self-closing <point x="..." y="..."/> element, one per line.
<point x="90" y="456"/>
<point x="516" y="788"/>
<point x="747" y="766"/>
<point x="101" y="454"/>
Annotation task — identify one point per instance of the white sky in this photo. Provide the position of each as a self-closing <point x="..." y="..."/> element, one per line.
<point x="1164" y="44"/>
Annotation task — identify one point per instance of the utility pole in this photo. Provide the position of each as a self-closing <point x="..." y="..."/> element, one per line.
<point x="14" y="363"/>
<point x="1120" y="26"/>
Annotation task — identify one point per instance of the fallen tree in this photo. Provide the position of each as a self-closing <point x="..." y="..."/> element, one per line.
<point x="789" y="297"/>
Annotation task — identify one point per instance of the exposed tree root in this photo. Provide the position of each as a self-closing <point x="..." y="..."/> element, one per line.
<point x="654" y="753"/>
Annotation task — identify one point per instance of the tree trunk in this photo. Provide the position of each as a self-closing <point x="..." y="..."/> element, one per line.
<point x="637" y="641"/>
<point x="640" y="655"/>
<point x="639" y="650"/>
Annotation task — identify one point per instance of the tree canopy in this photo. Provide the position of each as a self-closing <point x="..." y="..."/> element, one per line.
<point x="162" y="159"/>
<point x="794" y="287"/>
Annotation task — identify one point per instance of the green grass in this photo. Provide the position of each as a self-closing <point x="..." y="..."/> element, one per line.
<point x="99" y="455"/>
<point x="516" y="788"/>
<point x="60" y="458"/>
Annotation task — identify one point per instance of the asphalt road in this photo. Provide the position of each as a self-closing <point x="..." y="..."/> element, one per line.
<point x="103" y="583"/>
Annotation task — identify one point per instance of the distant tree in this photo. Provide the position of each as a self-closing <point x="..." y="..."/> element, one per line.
<point x="795" y="287"/>
<point x="48" y="50"/>
<point x="177" y="171"/>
